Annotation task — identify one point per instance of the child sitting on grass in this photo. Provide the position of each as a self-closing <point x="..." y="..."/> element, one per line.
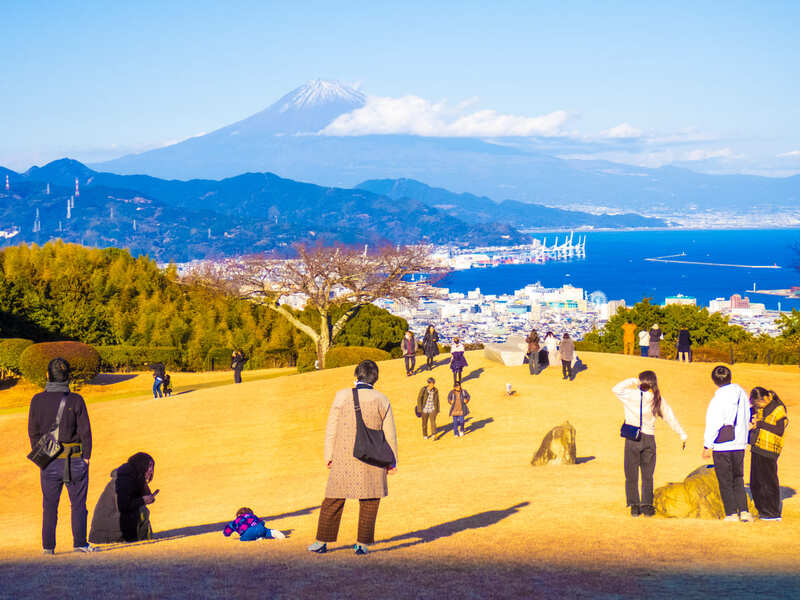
<point x="250" y="527"/>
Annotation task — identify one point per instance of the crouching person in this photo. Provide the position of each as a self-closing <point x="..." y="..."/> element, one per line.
<point x="121" y="514"/>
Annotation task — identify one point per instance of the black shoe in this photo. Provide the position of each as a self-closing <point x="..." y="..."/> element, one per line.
<point x="635" y="512"/>
<point x="648" y="511"/>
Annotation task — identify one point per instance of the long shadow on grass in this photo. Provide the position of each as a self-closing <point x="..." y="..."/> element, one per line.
<point x="474" y="374"/>
<point x="469" y="426"/>
<point x="476" y="521"/>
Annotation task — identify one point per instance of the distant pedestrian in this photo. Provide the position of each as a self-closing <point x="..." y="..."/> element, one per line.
<point x="655" y="341"/>
<point x="458" y="399"/>
<point x="566" y="351"/>
<point x="767" y="426"/>
<point x="238" y="359"/>
<point x="533" y="352"/>
<point x="430" y="346"/>
<point x="457" y="360"/>
<point x="724" y="440"/>
<point x="158" y="380"/>
<point x="684" y="346"/>
<point x="643" y="403"/>
<point x="628" y="338"/>
<point x="250" y="527"/>
<point x="409" y="346"/>
<point x="551" y="345"/>
<point x="644" y="341"/>
<point x="428" y="407"/>
<point x="350" y="477"/>
<point x="58" y="405"/>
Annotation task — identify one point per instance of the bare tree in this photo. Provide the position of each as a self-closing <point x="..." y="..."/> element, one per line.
<point x="328" y="277"/>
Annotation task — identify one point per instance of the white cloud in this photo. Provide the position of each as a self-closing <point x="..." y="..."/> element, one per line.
<point x="622" y="131"/>
<point x="418" y="116"/>
<point x="790" y="154"/>
<point x="706" y="154"/>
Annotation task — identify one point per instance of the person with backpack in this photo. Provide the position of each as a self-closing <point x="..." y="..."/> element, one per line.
<point x="238" y="359"/>
<point x="65" y="410"/>
<point x="643" y="402"/>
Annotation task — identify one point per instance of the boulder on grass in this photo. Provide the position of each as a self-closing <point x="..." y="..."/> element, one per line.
<point x="558" y="447"/>
<point x="696" y="497"/>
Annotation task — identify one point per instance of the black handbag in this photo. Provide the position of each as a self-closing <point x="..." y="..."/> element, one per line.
<point x="417" y="411"/>
<point x="631" y="432"/>
<point x="727" y="433"/>
<point x="48" y="448"/>
<point x="370" y="446"/>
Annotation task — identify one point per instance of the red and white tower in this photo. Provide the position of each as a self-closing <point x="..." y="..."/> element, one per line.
<point x="77" y="190"/>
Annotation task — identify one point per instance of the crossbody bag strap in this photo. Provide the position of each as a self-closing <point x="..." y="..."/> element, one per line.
<point x="641" y="399"/>
<point x="57" y="425"/>
<point x="736" y="416"/>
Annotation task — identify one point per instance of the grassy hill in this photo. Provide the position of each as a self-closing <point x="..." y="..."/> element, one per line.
<point x="464" y="517"/>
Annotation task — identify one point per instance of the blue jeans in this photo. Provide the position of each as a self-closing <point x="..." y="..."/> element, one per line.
<point x="255" y="532"/>
<point x="458" y="424"/>
<point x="157" y="389"/>
<point x="644" y="350"/>
<point x="52" y="480"/>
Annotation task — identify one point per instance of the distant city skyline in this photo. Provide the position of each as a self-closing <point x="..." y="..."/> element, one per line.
<point x="710" y="87"/>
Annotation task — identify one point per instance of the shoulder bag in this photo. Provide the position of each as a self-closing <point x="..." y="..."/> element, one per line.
<point x="631" y="432"/>
<point x="727" y="433"/>
<point x="48" y="448"/>
<point x="370" y="446"/>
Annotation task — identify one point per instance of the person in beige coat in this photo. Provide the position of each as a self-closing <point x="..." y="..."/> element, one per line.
<point x="349" y="477"/>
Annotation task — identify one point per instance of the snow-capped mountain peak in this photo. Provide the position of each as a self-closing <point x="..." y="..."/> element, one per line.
<point x="319" y="91"/>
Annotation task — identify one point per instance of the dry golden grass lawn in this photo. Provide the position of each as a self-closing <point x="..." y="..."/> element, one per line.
<point x="465" y="517"/>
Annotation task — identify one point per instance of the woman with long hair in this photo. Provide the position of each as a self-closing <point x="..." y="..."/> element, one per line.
<point x="643" y="402"/>
<point x="430" y="346"/>
<point x="767" y="426"/>
<point x="551" y="345"/>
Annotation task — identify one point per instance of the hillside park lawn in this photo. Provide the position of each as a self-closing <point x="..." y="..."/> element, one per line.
<point x="465" y="517"/>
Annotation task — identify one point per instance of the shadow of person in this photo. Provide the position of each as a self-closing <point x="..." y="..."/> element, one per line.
<point x="786" y="492"/>
<point x="578" y="368"/>
<point x="475" y="425"/>
<point x="473" y="375"/>
<point x="430" y="534"/>
<point x="112" y="378"/>
<point x="584" y="459"/>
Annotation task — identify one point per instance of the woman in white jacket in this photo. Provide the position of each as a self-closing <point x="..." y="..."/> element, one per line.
<point x="643" y="403"/>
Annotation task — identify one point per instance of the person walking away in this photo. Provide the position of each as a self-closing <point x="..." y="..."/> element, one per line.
<point x="430" y="346"/>
<point x="121" y="513"/>
<point x="158" y="380"/>
<point x="655" y="342"/>
<point x="238" y="359"/>
<point x="628" y="331"/>
<point x="71" y="468"/>
<point x="642" y="401"/>
<point x="551" y="344"/>
<point x="250" y="527"/>
<point x="533" y="352"/>
<point x="349" y="477"/>
<point x="428" y="407"/>
<point x="458" y="399"/>
<point x="457" y="360"/>
<point x="767" y="426"/>
<point x="724" y="440"/>
<point x="684" y="346"/>
<point x="566" y="351"/>
<point x="409" y="346"/>
<point x="644" y="341"/>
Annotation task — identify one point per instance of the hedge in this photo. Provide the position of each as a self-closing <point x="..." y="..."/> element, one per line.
<point x="83" y="359"/>
<point x="271" y="359"/>
<point x="10" y="351"/>
<point x="122" y="358"/>
<point x="219" y="359"/>
<point x="341" y="356"/>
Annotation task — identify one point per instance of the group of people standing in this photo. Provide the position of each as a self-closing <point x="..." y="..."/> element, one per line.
<point x="549" y="351"/>
<point x="430" y="348"/>
<point x="650" y="341"/>
<point x="733" y="420"/>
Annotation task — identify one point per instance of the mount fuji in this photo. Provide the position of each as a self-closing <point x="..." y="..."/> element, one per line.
<point x="285" y="139"/>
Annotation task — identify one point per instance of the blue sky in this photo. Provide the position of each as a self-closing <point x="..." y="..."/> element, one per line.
<point x="708" y="85"/>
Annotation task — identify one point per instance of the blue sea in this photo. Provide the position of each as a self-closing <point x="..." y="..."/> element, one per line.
<point x="615" y="265"/>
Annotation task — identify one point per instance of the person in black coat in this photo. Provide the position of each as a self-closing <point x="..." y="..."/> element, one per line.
<point x="237" y="364"/>
<point x="430" y="346"/>
<point x="684" y="346"/>
<point x="121" y="513"/>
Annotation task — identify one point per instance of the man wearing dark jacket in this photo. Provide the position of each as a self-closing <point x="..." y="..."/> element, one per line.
<point x="72" y="466"/>
<point x="428" y="407"/>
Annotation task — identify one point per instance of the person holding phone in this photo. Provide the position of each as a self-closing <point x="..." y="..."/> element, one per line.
<point x="121" y="513"/>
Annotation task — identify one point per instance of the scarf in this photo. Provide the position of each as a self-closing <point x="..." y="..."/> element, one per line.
<point x="57" y="386"/>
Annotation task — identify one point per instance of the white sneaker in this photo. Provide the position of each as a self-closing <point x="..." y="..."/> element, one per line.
<point x="731" y="518"/>
<point x="277" y="534"/>
<point x="769" y="519"/>
<point x="745" y="516"/>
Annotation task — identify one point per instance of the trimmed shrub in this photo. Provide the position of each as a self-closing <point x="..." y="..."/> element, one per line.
<point x="125" y="358"/>
<point x="82" y="358"/>
<point x="341" y="356"/>
<point x="10" y="351"/>
<point x="220" y="360"/>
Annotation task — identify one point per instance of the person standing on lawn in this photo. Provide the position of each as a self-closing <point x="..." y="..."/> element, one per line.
<point x="428" y="407"/>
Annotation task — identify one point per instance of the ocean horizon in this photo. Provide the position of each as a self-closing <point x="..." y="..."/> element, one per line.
<point x="615" y="265"/>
